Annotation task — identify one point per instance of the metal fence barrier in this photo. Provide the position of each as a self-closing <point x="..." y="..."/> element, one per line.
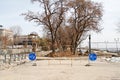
<point x="12" y="57"/>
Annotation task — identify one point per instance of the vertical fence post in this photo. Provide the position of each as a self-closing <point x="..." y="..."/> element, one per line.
<point x="22" y="56"/>
<point x="4" y="58"/>
<point x="14" y="57"/>
<point x="10" y="60"/>
<point x="117" y="40"/>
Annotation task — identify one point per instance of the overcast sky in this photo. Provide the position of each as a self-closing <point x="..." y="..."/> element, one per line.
<point x="111" y="18"/>
<point x="10" y="15"/>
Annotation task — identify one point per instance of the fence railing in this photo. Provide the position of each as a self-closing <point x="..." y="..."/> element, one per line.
<point x="108" y="46"/>
<point x="9" y="57"/>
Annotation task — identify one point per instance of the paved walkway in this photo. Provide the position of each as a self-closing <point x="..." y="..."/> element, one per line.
<point x="63" y="70"/>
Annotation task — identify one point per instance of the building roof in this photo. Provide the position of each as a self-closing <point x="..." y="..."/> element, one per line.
<point x="34" y="33"/>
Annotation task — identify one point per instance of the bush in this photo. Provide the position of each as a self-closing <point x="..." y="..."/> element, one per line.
<point x="45" y="48"/>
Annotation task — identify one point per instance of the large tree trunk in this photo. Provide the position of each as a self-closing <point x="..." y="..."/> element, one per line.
<point x="74" y="49"/>
<point x="53" y="46"/>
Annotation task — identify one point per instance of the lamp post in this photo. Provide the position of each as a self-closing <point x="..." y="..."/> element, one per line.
<point x="89" y="52"/>
<point x="89" y="44"/>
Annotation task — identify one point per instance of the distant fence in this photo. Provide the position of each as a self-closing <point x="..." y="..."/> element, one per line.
<point x="107" y="46"/>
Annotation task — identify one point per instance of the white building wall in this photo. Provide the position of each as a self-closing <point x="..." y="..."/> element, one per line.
<point x="7" y="33"/>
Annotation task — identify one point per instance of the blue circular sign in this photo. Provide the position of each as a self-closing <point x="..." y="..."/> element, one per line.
<point x="92" y="56"/>
<point x="32" y="56"/>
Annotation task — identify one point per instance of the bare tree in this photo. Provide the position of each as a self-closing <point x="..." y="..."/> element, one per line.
<point x="86" y="16"/>
<point x="61" y="35"/>
<point x="5" y="39"/>
<point x="51" y="17"/>
<point x="16" y="32"/>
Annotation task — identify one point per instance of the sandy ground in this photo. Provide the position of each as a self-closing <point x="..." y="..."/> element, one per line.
<point x="63" y="70"/>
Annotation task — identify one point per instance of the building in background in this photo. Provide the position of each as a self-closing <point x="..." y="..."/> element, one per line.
<point x="23" y="39"/>
<point x="7" y="33"/>
<point x="6" y="37"/>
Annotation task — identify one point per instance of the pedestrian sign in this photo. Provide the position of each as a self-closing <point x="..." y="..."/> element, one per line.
<point x="32" y="56"/>
<point x="92" y="56"/>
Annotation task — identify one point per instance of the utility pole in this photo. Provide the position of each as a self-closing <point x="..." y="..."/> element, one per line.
<point x="89" y="52"/>
<point x="89" y="44"/>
